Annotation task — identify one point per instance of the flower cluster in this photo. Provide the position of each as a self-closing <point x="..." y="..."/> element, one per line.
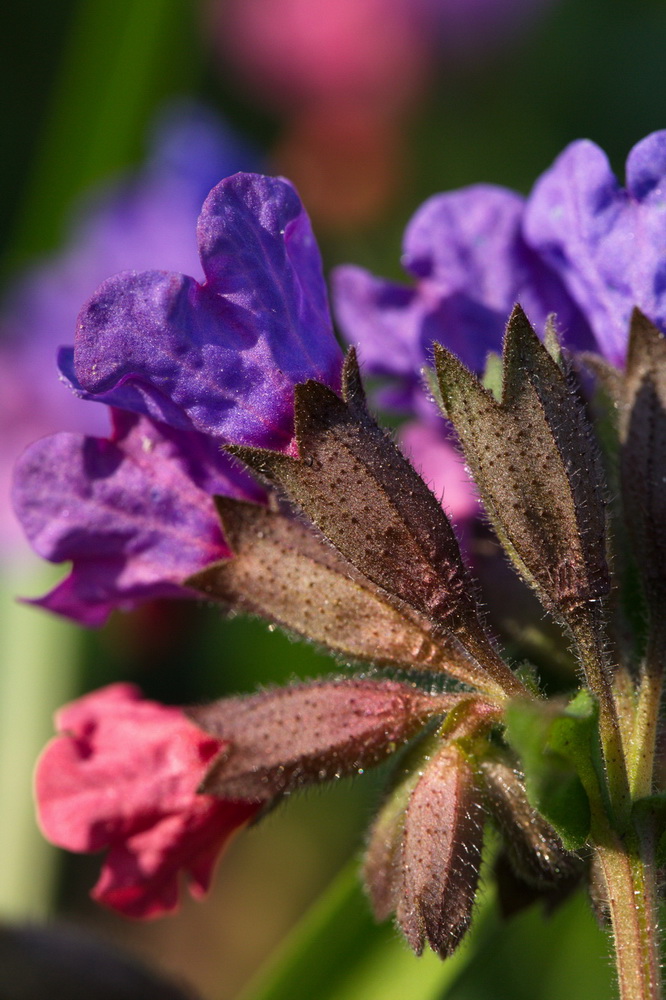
<point x="580" y="246"/>
<point x="328" y="531"/>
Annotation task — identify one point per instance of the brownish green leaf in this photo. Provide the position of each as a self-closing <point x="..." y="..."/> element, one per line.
<point x="535" y="463"/>
<point x="643" y="460"/>
<point x="283" y="571"/>
<point x="283" y="739"/>
<point x="355" y="485"/>
<point x="440" y="854"/>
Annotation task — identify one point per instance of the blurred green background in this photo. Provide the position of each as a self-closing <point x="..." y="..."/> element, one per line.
<point x="83" y="82"/>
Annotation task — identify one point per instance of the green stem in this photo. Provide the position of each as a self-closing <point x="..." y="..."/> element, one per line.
<point x="589" y="637"/>
<point x="628" y="875"/>
<point x="504" y="682"/>
<point x="644" y="736"/>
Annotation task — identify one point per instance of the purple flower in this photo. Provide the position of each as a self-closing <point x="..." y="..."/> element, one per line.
<point x="580" y="246"/>
<point x="470" y="263"/>
<point x="134" y="513"/>
<point x="147" y="220"/>
<point x="221" y="357"/>
<point x="605" y="242"/>
<point x="186" y="367"/>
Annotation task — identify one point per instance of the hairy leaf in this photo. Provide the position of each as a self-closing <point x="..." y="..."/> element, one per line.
<point x="440" y="854"/>
<point x="355" y="485"/>
<point x="290" y="737"/>
<point x="533" y="847"/>
<point x="536" y="466"/>
<point x="643" y="460"/>
<point x="284" y="571"/>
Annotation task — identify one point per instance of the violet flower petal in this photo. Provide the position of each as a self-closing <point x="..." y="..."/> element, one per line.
<point x="606" y="242"/>
<point x="471" y="264"/>
<point x="223" y="357"/>
<point x="145" y="219"/>
<point x="134" y="514"/>
<point x="469" y="242"/>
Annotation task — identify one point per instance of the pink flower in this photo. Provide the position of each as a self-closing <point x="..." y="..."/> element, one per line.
<point x="123" y="774"/>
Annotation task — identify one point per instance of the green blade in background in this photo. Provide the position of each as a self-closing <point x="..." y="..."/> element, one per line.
<point x="534" y="956"/>
<point x="122" y="59"/>
<point x="39" y="665"/>
<point x="339" y="952"/>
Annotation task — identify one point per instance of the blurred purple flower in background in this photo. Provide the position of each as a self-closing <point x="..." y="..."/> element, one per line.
<point x="145" y="220"/>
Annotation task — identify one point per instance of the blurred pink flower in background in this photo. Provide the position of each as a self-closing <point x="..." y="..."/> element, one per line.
<point x="345" y="76"/>
<point x="294" y="54"/>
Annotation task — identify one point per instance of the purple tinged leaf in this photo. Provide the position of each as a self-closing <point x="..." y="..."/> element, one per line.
<point x="221" y="358"/>
<point x="643" y="455"/>
<point x="440" y="854"/>
<point x="535" y="851"/>
<point x="535" y="463"/>
<point x="283" y="571"/>
<point x="605" y="242"/>
<point x="134" y="514"/>
<point x="364" y="496"/>
<point x="285" y="739"/>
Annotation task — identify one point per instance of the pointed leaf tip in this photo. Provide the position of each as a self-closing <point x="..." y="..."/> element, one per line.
<point x="536" y="465"/>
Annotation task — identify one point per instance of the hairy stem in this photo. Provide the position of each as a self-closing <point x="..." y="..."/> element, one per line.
<point x="505" y="683"/>
<point x="628" y="872"/>
<point x="644" y="736"/>
<point x="590" y="643"/>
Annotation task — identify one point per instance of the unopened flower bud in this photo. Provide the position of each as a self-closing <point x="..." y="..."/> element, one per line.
<point x="425" y="853"/>
<point x="533" y="847"/>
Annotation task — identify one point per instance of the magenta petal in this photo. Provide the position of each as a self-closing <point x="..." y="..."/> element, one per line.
<point x="606" y="242"/>
<point x="140" y="877"/>
<point x="120" y="765"/>
<point x="123" y="774"/>
<point x="223" y="357"/>
<point x="128" y="512"/>
<point x="442" y="467"/>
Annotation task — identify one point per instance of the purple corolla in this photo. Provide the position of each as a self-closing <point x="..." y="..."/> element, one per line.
<point x="221" y="357"/>
<point x="606" y="243"/>
<point x="580" y="246"/>
<point x="186" y="368"/>
<point x="470" y="263"/>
